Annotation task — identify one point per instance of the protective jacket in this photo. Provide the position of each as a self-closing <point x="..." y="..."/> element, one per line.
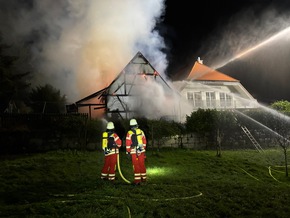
<point x="135" y="141"/>
<point x="111" y="143"/>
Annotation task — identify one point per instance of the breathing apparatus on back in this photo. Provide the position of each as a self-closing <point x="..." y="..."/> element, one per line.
<point x="108" y="138"/>
<point x="136" y="137"/>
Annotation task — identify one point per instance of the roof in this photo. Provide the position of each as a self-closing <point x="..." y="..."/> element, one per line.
<point x="202" y="72"/>
<point x="132" y="92"/>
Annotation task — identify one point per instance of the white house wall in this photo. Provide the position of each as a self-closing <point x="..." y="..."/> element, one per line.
<point x="236" y="96"/>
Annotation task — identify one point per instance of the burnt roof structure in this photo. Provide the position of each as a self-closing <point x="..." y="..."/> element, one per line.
<point x="131" y="94"/>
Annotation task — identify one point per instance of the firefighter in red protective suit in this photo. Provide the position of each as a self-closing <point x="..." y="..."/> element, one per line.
<point x="110" y="144"/>
<point x="136" y="147"/>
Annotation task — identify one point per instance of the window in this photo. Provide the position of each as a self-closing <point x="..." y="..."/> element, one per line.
<point x="197" y="100"/>
<point x="210" y="99"/>
<point x="229" y="100"/>
<point x="222" y="99"/>
<point x="190" y="96"/>
<point x="225" y="100"/>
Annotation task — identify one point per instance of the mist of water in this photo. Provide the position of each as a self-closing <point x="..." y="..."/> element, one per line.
<point x="260" y="124"/>
<point x="281" y="35"/>
<point x="275" y="113"/>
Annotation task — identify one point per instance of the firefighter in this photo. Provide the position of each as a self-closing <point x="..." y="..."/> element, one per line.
<point x="136" y="147"/>
<point x="110" y="144"/>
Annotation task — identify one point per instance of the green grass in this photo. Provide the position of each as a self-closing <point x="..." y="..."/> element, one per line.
<point x="181" y="183"/>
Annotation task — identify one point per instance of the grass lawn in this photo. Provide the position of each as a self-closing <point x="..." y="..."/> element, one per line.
<point x="181" y="183"/>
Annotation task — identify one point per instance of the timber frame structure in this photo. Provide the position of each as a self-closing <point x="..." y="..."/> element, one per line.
<point x="129" y="93"/>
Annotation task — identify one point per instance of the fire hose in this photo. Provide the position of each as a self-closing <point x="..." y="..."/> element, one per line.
<point x="119" y="169"/>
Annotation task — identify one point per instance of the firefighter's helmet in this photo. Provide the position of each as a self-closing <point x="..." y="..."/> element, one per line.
<point x="133" y="122"/>
<point x="110" y="125"/>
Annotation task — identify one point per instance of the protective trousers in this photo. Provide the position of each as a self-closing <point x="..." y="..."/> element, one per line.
<point x="138" y="162"/>
<point x="109" y="168"/>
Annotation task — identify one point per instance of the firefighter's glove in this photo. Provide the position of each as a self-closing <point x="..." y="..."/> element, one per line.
<point x="107" y="151"/>
<point x="128" y="154"/>
<point x="139" y="147"/>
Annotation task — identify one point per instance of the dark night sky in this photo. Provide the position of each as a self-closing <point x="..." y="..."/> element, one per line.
<point x="189" y="24"/>
<point x="217" y="30"/>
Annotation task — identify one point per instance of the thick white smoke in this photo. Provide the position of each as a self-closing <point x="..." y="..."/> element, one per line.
<point x="80" y="46"/>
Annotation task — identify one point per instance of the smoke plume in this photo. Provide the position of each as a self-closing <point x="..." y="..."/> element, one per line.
<point x="80" y="46"/>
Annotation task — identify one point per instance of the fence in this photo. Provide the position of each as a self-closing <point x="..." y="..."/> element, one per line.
<point x="20" y="133"/>
<point x="41" y="132"/>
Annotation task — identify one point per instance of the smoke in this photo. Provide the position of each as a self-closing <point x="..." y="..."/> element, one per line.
<point x="158" y="103"/>
<point x="79" y="47"/>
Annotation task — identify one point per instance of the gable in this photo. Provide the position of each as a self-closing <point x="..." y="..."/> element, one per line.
<point x="138" y="90"/>
<point x="137" y="74"/>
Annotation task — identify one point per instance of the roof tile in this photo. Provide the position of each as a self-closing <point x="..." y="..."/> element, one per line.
<point x="202" y="72"/>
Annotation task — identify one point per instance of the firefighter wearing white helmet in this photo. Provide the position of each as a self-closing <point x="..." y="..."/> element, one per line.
<point x="110" y="144"/>
<point x="110" y="126"/>
<point x="133" y="122"/>
<point x="136" y="147"/>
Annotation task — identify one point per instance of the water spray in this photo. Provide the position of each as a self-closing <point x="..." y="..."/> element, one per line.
<point x="284" y="32"/>
<point x="266" y="127"/>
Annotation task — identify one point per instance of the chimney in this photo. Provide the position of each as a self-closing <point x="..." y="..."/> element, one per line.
<point x="199" y="61"/>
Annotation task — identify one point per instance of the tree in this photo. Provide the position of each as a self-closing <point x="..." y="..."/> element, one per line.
<point x="161" y="129"/>
<point x="224" y="120"/>
<point x="210" y="123"/>
<point x="282" y="127"/>
<point x="202" y="122"/>
<point x="282" y="106"/>
<point x="47" y="99"/>
<point x="14" y="78"/>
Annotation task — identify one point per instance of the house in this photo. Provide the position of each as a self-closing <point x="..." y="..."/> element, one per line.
<point x="207" y="88"/>
<point x="138" y="91"/>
